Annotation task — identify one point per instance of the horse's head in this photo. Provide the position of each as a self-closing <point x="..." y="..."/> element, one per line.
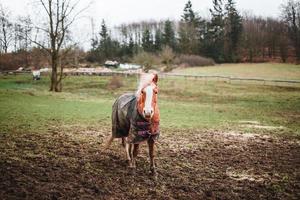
<point x="147" y="96"/>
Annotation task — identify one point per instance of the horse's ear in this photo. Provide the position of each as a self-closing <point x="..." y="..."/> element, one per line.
<point x="155" y="78"/>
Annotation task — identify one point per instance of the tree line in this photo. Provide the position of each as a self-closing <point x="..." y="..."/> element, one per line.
<point x="226" y="36"/>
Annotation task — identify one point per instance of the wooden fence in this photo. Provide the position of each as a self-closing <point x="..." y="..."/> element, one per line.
<point x="229" y="79"/>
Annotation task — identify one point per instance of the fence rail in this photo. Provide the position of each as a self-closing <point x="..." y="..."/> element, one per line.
<point x="232" y="78"/>
<point x="164" y="75"/>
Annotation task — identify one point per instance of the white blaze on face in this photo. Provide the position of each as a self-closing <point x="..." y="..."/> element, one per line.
<point x="148" y="110"/>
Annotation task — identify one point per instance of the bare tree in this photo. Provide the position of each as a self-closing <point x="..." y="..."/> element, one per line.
<point x="291" y="16"/>
<point x="25" y="32"/>
<point x="60" y="16"/>
<point x="25" y="37"/>
<point x="6" y="33"/>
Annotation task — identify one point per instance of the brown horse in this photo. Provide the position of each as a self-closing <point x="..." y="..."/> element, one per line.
<point x="135" y="119"/>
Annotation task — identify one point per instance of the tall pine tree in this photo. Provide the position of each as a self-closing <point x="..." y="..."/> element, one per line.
<point x="213" y="42"/>
<point x="104" y="40"/>
<point x="169" y="38"/>
<point x="188" y="13"/>
<point x="105" y="47"/>
<point x="158" y="40"/>
<point x="147" y="41"/>
<point x="233" y="31"/>
<point x="189" y="30"/>
<point x="131" y="46"/>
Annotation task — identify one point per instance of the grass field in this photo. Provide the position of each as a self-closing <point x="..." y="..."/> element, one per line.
<point x="219" y="140"/>
<point x="184" y="103"/>
<point x="260" y="70"/>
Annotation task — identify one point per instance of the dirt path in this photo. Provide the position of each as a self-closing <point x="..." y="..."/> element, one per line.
<point x="196" y="165"/>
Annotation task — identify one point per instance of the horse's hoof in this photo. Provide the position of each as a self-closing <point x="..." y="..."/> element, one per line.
<point x="153" y="173"/>
<point x="131" y="165"/>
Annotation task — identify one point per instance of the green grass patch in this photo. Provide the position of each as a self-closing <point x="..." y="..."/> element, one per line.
<point x="256" y="70"/>
<point x="184" y="104"/>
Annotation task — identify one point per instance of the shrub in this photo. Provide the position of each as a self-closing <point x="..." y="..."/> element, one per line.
<point x="167" y="57"/>
<point x="34" y="58"/>
<point x="11" y="61"/>
<point x="147" y="60"/>
<point x="193" y="60"/>
<point x="115" y="82"/>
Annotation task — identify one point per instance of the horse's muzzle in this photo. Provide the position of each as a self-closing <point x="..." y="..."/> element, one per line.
<point x="148" y="113"/>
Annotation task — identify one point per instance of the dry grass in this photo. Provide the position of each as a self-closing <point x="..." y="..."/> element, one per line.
<point x="262" y="70"/>
<point x="115" y="82"/>
<point x="193" y="60"/>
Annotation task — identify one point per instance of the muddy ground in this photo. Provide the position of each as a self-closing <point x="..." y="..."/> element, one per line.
<point x="191" y="165"/>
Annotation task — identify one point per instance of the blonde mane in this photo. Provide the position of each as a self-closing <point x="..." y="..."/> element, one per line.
<point x="145" y="79"/>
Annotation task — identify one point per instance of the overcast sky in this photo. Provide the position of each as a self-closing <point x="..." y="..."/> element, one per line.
<point x="119" y="11"/>
<point x="125" y="11"/>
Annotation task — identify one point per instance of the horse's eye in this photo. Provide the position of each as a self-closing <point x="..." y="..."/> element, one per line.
<point x="155" y="92"/>
<point x="142" y="92"/>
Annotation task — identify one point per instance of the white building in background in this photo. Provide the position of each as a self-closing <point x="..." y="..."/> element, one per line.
<point x="129" y="66"/>
<point x="44" y="70"/>
<point x="110" y="63"/>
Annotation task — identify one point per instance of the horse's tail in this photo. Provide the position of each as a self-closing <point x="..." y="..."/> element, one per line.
<point x="108" y="142"/>
<point x="114" y="118"/>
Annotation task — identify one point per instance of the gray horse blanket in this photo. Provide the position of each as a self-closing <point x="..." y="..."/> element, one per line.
<point x="127" y="122"/>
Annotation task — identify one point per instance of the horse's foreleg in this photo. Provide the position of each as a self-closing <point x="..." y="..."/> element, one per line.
<point x="123" y="142"/>
<point x="134" y="154"/>
<point x="128" y="148"/>
<point x="151" y="155"/>
<point x="108" y="143"/>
